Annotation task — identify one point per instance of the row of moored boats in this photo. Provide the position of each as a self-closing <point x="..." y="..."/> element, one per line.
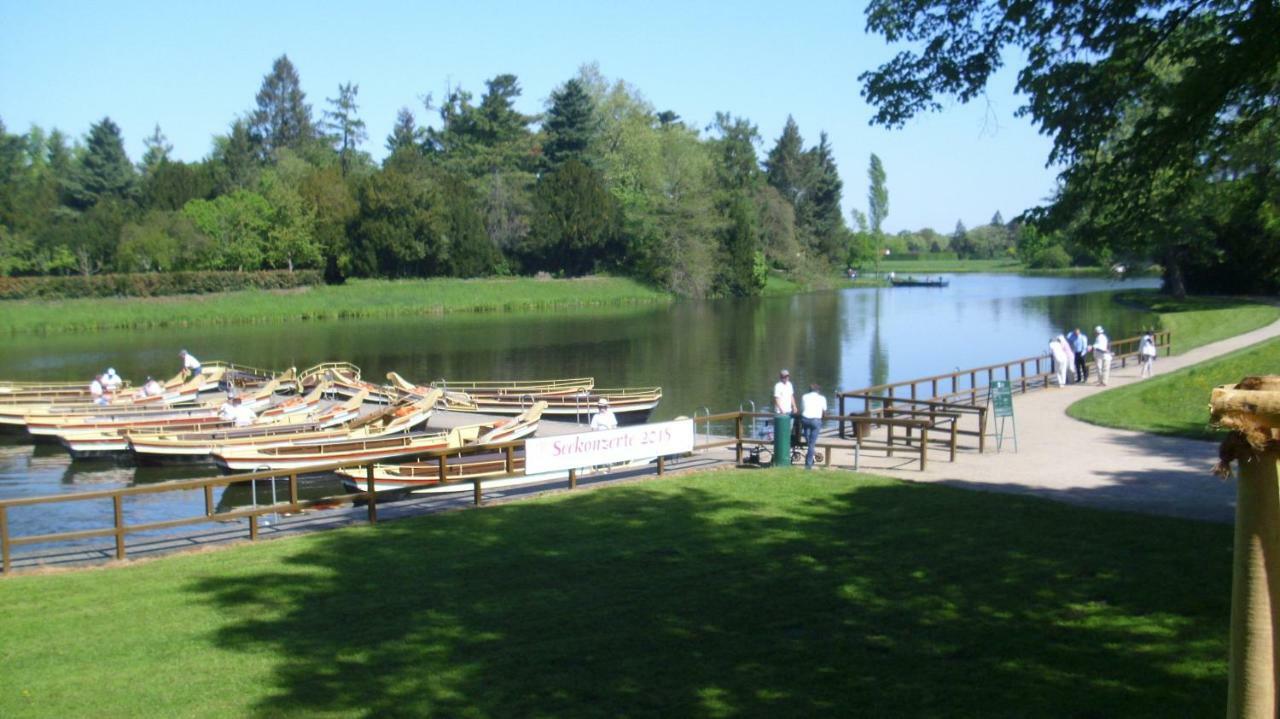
<point x="323" y="415"/>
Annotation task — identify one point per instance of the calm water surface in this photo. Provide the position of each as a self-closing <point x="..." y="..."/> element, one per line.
<point x="716" y="355"/>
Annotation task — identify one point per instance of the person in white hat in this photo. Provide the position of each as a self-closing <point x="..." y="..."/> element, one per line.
<point x="604" y="417"/>
<point x="113" y="381"/>
<point x="1102" y="355"/>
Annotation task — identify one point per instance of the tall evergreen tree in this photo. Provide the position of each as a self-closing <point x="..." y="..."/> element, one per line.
<point x="997" y="219"/>
<point x="283" y="117"/>
<point x="104" y="172"/>
<point x="575" y="222"/>
<point x="157" y="152"/>
<point x="826" y="222"/>
<point x="570" y="124"/>
<point x="235" y="159"/>
<point x="348" y="129"/>
<point x="404" y="134"/>
<point x="787" y="167"/>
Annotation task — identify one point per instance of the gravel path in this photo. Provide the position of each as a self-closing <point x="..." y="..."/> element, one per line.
<point x="1064" y="459"/>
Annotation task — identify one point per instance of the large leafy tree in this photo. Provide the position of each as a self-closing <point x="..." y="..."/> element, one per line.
<point x="575" y="222"/>
<point x="282" y="117"/>
<point x="1143" y="100"/>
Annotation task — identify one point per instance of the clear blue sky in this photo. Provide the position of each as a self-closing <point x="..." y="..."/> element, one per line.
<point x="194" y="69"/>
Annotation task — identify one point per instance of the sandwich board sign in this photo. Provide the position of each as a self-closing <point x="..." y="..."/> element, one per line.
<point x="1001" y="401"/>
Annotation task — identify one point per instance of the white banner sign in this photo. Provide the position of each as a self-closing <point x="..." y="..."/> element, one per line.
<point x="574" y="451"/>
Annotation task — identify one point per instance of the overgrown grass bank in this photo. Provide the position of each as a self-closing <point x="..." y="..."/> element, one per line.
<point x="357" y="298"/>
<point x="1198" y="321"/>
<point x="1176" y="404"/>
<point x="734" y="593"/>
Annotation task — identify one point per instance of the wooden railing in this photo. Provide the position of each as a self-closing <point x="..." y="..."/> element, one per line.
<point x="967" y="390"/>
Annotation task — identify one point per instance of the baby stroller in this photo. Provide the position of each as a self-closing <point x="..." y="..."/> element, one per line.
<point x="762" y="454"/>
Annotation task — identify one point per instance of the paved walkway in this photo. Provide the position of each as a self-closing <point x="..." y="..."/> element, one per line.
<point x="1064" y="459"/>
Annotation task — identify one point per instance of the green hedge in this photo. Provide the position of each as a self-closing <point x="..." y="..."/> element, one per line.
<point x="922" y="256"/>
<point x="152" y="284"/>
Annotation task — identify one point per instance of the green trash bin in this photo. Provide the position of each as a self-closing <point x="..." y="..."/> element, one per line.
<point x="782" y="440"/>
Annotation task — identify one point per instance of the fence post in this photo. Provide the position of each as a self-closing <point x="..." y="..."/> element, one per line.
<point x="208" y="500"/>
<point x="293" y="489"/>
<point x="982" y="430"/>
<point x="955" y="421"/>
<point x="662" y="464"/>
<point x="477" y="498"/>
<point x="4" y="540"/>
<point x="737" y="433"/>
<point x="573" y="479"/>
<point x="924" y="447"/>
<point x="842" y="416"/>
<point x="253" y="527"/>
<point x="373" y="495"/>
<point x="118" y="510"/>
<point x="511" y="459"/>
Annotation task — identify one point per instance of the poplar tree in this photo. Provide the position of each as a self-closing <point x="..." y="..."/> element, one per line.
<point x="877" y="195"/>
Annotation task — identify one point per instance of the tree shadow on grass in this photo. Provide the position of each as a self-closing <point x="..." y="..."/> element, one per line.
<point x="793" y="597"/>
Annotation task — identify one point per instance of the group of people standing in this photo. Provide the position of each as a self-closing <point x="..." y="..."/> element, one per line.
<point x="809" y="411"/>
<point x="1070" y="355"/>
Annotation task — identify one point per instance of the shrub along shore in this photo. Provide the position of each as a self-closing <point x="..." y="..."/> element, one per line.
<point x="355" y="299"/>
<point x="729" y="593"/>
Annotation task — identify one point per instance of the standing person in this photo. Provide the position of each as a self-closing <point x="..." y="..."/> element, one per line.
<point x="604" y="417"/>
<point x="1147" y="352"/>
<point x="1102" y="355"/>
<point x="1080" y="348"/>
<point x="190" y="365"/>
<point x="1059" y="352"/>
<point x="97" y="389"/>
<point x="813" y="405"/>
<point x="784" y="400"/>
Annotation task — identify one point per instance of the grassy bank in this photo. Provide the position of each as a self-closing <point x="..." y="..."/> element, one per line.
<point x="1176" y="404"/>
<point x="356" y="298"/>
<point x="734" y="593"/>
<point x="1198" y="321"/>
<point x="920" y="267"/>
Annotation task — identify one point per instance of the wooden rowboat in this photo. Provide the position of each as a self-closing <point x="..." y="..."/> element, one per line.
<point x="631" y="405"/>
<point x="310" y="454"/>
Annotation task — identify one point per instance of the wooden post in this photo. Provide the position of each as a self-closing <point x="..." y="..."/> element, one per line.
<point x="293" y="489"/>
<point x="511" y="459"/>
<point x="1251" y="409"/>
<point x="442" y="469"/>
<point x="737" y="432"/>
<point x="842" y="416"/>
<point x="982" y="430"/>
<point x="954" y="436"/>
<point x="477" y="497"/>
<point x="935" y="388"/>
<point x="208" y="500"/>
<point x="117" y="509"/>
<point x="373" y="494"/>
<point x="573" y="479"/>
<point x="4" y="540"/>
<point x="889" y="429"/>
<point x="662" y="464"/>
<point x="924" y="447"/>
<point x="253" y="527"/>
<point x="1022" y="369"/>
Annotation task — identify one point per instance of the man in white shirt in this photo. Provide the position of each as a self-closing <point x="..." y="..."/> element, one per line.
<point x="1102" y="355"/>
<point x="239" y="414"/>
<point x="604" y="417"/>
<point x="784" y="394"/>
<point x="190" y="365"/>
<point x="113" y="381"/>
<point x="812" y="407"/>
<point x="152" y="388"/>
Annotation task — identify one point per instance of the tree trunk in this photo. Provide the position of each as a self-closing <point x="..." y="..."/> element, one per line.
<point x="1173" y="282"/>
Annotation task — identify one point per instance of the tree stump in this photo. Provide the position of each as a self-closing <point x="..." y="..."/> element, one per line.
<point x="1251" y="410"/>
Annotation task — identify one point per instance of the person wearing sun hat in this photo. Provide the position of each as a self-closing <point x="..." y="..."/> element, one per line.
<point x="604" y="417"/>
<point x="1102" y="355"/>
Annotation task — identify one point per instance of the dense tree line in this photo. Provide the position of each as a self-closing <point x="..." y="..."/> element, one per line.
<point x="601" y="181"/>
<point x="1165" y="115"/>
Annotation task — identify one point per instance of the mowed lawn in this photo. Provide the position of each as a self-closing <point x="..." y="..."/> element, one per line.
<point x="1198" y="321"/>
<point x="1177" y="403"/>
<point x="765" y="593"/>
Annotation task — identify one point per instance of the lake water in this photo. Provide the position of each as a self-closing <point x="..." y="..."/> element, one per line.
<point x="717" y="355"/>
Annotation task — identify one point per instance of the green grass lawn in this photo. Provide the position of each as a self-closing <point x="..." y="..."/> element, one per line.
<point x="1177" y="403"/>
<point x="734" y="593"/>
<point x="1198" y="321"/>
<point x="356" y="298"/>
